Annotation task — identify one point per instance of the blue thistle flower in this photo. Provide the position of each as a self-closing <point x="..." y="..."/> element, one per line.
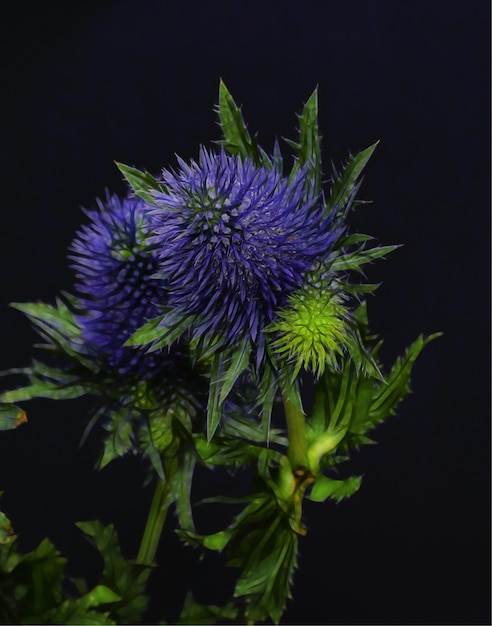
<point x="114" y="266"/>
<point x="234" y="240"/>
<point x="117" y="292"/>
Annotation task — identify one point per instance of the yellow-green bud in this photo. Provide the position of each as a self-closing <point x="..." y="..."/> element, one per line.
<point x="311" y="331"/>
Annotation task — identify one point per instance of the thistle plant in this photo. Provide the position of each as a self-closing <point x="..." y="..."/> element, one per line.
<point x="203" y="301"/>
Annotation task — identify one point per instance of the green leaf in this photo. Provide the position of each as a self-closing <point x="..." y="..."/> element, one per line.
<point x="125" y="578"/>
<point x="6" y="530"/>
<point x="45" y="389"/>
<point x="264" y="547"/>
<point x="235" y="366"/>
<point x="351" y="400"/>
<point x="161" y="331"/>
<point x="11" y="416"/>
<point x="353" y="260"/>
<point x="149" y="447"/>
<point x="338" y="490"/>
<point x="241" y="427"/>
<point x="182" y="484"/>
<point x="214" y="407"/>
<point x="57" y="325"/>
<point x="142" y="183"/>
<point x="31" y="583"/>
<point x="363" y="288"/>
<point x="390" y="395"/>
<point x="308" y="150"/>
<point x="345" y="184"/>
<point x="78" y="610"/>
<point x="149" y="332"/>
<point x="193" y="613"/>
<point x="237" y="139"/>
<point x="225" y="369"/>
<point x="118" y="440"/>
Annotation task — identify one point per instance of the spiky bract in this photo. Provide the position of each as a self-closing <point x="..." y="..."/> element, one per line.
<point x="234" y="240"/>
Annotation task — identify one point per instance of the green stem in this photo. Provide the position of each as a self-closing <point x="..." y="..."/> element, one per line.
<point x="155" y="522"/>
<point x="296" y="425"/>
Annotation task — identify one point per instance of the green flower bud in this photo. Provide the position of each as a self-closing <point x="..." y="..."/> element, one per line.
<point x="311" y="332"/>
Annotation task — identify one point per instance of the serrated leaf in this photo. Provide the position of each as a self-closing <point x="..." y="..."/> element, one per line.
<point x="265" y="548"/>
<point x="398" y="382"/>
<point x="237" y="139"/>
<point x="172" y="326"/>
<point x="142" y="183"/>
<point x="224" y="371"/>
<point x="308" y="149"/>
<point x="149" y="332"/>
<point x="118" y="440"/>
<point x="150" y="449"/>
<point x="338" y="490"/>
<point x="344" y="185"/>
<point x="268" y="394"/>
<point x="11" y="416"/>
<point x="214" y="407"/>
<point x="236" y="365"/>
<point x="78" y="610"/>
<point x="193" y="613"/>
<point x="38" y="578"/>
<point x="127" y="579"/>
<point x="353" y="260"/>
<point x="44" y="389"/>
<point x="57" y="325"/>
<point x="363" y="288"/>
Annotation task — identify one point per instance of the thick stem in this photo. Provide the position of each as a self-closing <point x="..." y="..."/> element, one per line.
<point x="155" y="522"/>
<point x="296" y="425"/>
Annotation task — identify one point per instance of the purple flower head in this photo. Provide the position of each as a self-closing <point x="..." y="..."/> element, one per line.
<point x="114" y="266"/>
<point x="234" y="240"/>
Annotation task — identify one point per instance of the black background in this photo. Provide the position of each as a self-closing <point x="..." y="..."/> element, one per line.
<point x="136" y="82"/>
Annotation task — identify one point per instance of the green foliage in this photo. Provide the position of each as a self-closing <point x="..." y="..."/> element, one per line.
<point x="11" y="416"/>
<point x="58" y="326"/>
<point x="193" y="613"/>
<point x="142" y="183"/>
<point x="161" y="331"/>
<point x="30" y="584"/>
<point x="237" y="139"/>
<point x="337" y="490"/>
<point x="262" y="545"/>
<point x="119" y="436"/>
<point x="349" y="405"/>
<point x="34" y="588"/>
<point x="345" y="184"/>
<point x="75" y="373"/>
<point x="307" y="149"/>
<point x="352" y="261"/>
<point x="80" y="610"/>
<point x="226" y="368"/>
<point x="126" y="578"/>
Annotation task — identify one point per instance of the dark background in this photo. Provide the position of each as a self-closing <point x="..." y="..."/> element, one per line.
<point x="136" y="82"/>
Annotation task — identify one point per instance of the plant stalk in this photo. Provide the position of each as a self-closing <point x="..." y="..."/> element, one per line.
<point x="296" y="425"/>
<point x="155" y="522"/>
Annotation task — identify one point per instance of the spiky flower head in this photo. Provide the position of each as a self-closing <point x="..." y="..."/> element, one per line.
<point x="234" y="240"/>
<point x="142" y="393"/>
<point x="312" y="331"/>
<point x="114" y="266"/>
